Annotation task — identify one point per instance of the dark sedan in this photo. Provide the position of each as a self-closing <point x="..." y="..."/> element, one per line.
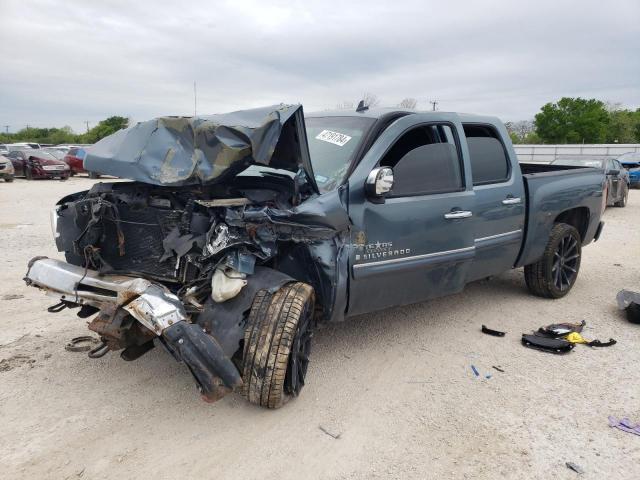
<point x="36" y="163"/>
<point x="617" y="178"/>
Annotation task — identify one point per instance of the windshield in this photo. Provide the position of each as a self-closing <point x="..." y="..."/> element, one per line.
<point x="40" y="154"/>
<point x="580" y="162"/>
<point x="332" y="143"/>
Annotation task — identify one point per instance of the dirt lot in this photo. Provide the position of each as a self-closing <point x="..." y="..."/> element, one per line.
<point x="395" y="388"/>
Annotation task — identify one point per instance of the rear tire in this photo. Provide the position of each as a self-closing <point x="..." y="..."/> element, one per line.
<point x="623" y="201"/>
<point x="276" y="345"/>
<point x="554" y="275"/>
<point x="27" y="174"/>
<point x="8" y="179"/>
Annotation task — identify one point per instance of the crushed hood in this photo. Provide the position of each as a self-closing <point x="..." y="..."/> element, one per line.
<point x="181" y="151"/>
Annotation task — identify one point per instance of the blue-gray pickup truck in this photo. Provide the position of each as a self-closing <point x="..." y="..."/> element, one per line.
<point x="239" y="233"/>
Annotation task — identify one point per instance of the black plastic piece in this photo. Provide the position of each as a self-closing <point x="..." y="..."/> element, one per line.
<point x="213" y="370"/>
<point x="552" y="345"/>
<point x="490" y="331"/>
<point x="598" y="343"/>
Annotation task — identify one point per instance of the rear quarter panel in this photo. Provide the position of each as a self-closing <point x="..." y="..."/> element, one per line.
<point x="550" y="194"/>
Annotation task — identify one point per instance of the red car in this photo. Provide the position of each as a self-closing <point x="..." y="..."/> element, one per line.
<point x="75" y="159"/>
<point x="36" y="163"/>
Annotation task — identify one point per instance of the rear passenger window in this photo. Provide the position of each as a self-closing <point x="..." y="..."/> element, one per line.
<point x="425" y="160"/>
<point x="489" y="161"/>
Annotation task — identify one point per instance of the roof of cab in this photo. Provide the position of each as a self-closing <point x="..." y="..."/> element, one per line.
<point x="376" y="113"/>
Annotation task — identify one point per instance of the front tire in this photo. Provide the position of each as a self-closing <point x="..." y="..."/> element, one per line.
<point x="554" y="275"/>
<point x="277" y="343"/>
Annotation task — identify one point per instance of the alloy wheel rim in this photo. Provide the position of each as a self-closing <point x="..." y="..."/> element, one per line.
<point x="299" y="355"/>
<point x="565" y="263"/>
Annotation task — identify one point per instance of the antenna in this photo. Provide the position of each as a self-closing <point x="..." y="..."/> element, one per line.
<point x="434" y="103"/>
<point x="362" y="107"/>
<point x="195" y="99"/>
<point x="87" y="123"/>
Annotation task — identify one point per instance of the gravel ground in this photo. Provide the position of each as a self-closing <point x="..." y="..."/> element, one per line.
<point x="395" y="387"/>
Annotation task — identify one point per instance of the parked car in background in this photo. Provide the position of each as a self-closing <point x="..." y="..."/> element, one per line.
<point x="3" y="149"/>
<point x="631" y="163"/>
<point x="36" y="163"/>
<point x="6" y="169"/>
<point x="75" y="159"/>
<point x="59" y="154"/>
<point x="617" y="178"/>
<point x="22" y="145"/>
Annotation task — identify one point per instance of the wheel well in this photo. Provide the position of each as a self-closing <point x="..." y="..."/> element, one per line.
<point x="576" y="217"/>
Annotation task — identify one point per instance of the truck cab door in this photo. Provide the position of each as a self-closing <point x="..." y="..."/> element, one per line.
<point x="416" y="242"/>
<point x="498" y="223"/>
<point x="613" y="177"/>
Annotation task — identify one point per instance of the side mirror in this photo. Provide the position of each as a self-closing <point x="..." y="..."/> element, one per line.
<point x="613" y="172"/>
<point x="379" y="183"/>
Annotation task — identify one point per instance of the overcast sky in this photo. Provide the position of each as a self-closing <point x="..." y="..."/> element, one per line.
<point x="67" y="62"/>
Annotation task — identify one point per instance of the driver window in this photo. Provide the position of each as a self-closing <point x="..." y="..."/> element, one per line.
<point x="425" y="161"/>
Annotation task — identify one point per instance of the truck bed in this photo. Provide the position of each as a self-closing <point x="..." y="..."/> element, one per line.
<point x="551" y="191"/>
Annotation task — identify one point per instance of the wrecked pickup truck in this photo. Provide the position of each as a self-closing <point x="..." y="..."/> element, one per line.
<point x="241" y="232"/>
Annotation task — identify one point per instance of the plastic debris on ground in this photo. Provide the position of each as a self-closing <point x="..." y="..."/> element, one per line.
<point x="490" y="331"/>
<point x="630" y="302"/>
<point x="625" y="425"/>
<point x="561" y="338"/>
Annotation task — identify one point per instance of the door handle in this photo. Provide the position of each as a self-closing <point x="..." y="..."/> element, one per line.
<point x="458" y="214"/>
<point x="511" y="201"/>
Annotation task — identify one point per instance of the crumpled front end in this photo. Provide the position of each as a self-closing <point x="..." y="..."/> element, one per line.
<point x="182" y="265"/>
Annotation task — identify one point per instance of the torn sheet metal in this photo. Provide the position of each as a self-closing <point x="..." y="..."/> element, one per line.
<point x="181" y="151"/>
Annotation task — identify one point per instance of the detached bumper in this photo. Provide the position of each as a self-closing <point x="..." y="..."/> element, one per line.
<point x="149" y="303"/>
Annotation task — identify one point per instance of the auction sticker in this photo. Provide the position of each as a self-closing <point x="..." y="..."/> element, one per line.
<point x="336" y="138"/>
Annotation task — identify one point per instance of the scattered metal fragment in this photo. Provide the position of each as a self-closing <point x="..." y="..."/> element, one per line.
<point x="490" y="331"/>
<point x="332" y="435"/>
<point x="497" y="368"/>
<point x="81" y="344"/>
<point x="575" y="468"/>
<point x="475" y="371"/>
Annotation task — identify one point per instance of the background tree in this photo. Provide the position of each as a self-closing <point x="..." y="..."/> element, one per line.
<point x="105" y="128"/>
<point x="409" y="103"/>
<point x="573" y="120"/>
<point x="624" y="125"/>
<point x="520" y="131"/>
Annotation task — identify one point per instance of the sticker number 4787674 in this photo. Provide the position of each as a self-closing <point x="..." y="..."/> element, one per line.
<point x="336" y="138"/>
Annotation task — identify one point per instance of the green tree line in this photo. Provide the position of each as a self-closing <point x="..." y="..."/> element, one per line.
<point x="579" y="120"/>
<point x="66" y="134"/>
